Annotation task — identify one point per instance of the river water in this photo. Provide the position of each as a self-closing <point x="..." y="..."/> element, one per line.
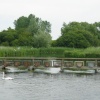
<point x="36" y="86"/>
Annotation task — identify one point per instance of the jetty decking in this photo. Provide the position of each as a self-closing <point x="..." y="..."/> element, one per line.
<point x="50" y="62"/>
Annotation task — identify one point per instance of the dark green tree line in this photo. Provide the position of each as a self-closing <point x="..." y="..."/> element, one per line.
<point x="26" y="31"/>
<point x="33" y="31"/>
<point x="79" y="35"/>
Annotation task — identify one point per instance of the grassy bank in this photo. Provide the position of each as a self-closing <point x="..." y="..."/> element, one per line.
<point x="93" y="52"/>
<point x="18" y="52"/>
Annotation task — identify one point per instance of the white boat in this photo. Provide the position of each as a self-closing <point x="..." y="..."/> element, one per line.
<point x="80" y="71"/>
<point x="16" y="70"/>
<point x="48" y="70"/>
<point x="52" y="70"/>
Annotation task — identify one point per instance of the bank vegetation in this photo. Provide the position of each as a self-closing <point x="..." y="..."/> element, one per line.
<point x="31" y="37"/>
<point x="91" y="52"/>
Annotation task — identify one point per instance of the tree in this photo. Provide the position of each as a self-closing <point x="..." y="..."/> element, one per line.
<point x="72" y="39"/>
<point x="33" y="26"/>
<point x="7" y="36"/>
<point x="28" y="28"/>
<point x="42" y="40"/>
<point x="21" y="23"/>
<point x="78" y="35"/>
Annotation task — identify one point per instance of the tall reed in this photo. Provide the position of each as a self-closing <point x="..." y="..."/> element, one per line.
<point x="92" y="52"/>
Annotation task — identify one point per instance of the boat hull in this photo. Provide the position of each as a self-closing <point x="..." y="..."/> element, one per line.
<point x="15" y="70"/>
<point x="80" y="72"/>
<point x="48" y="70"/>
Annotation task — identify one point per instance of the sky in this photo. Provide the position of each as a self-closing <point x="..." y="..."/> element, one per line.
<point x="54" y="11"/>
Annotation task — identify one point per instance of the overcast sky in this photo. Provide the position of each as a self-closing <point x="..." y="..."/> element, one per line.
<point x="55" y="11"/>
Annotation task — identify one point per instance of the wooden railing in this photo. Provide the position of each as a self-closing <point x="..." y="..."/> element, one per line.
<point x="50" y="62"/>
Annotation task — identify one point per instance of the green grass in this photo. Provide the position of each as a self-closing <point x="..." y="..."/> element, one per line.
<point x="92" y="52"/>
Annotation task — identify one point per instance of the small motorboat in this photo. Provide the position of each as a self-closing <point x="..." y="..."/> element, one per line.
<point x="80" y="71"/>
<point x="52" y="70"/>
<point x="48" y="70"/>
<point x="15" y="70"/>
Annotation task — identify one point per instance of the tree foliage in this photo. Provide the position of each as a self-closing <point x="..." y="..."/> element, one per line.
<point x="42" y="40"/>
<point x="25" y="32"/>
<point x="79" y="35"/>
<point x="33" y="31"/>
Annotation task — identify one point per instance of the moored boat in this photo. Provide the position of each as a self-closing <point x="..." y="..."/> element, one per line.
<point x="80" y="71"/>
<point x="48" y="70"/>
<point x="15" y="70"/>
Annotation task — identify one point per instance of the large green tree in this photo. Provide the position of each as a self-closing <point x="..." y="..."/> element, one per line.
<point x="7" y="36"/>
<point x="42" y="40"/>
<point x="28" y="28"/>
<point x="26" y="31"/>
<point x="79" y="35"/>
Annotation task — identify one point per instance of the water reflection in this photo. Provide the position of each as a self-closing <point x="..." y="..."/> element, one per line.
<point x="33" y="86"/>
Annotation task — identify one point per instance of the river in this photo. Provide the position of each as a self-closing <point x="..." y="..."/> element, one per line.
<point x="36" y="86"/>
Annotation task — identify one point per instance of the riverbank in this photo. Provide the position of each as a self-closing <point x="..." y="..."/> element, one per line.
<point x="60" y="52"/>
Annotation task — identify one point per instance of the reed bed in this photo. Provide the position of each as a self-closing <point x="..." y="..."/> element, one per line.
<point x="92" y="52"/>
<point x="18" y="52"/>
<point x="53" y="52"/>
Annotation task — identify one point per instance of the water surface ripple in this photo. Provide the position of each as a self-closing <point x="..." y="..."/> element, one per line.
<point x="35" y="86"/>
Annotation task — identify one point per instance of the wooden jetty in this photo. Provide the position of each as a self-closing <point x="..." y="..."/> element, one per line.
<point x="43" y="62"/>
